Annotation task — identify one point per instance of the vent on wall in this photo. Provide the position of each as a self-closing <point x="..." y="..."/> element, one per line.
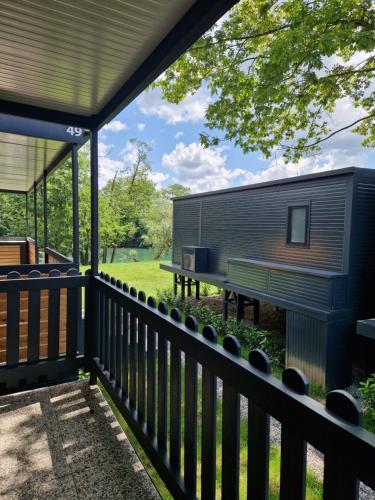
<point x="194" y="259"/>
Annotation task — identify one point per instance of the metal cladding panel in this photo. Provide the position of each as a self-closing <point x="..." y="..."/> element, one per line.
<point x="310" y="290"/>
<point x="186" y="217"/>
<point x="252" y="223"/>
<point x="306" y="345"/>
<point x="248" y="276"/>
<point x="74" y="56"/>
<point x="362" y="254"/>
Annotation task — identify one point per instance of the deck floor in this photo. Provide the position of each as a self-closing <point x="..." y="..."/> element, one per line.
<point x="63" y="442"/>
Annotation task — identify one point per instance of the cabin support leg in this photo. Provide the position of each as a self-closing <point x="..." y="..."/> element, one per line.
<point x="240" y="307"/>
<point x="182" y="279"/>
<point x="175" y="284"/>
<point x="197" y="286"/>
<point x="256" y="312"/>
<point x="189" y="287"/>
<point x="226" y="294"/>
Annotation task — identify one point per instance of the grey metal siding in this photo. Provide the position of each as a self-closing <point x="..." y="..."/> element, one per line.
<point x="304" y="288"/>
<point x="306" y="345"/>
<point x="186" y="226"/>
<point x="362" y="253"/>
<point x="253" y="224"/>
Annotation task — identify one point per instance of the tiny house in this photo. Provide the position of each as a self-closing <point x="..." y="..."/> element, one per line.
<point x="304" y="244"/>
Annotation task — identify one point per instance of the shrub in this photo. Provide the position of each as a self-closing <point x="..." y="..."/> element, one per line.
<point x="250" y="337"/>
<point x="367" y="391"/>
<point x="133" y="255"/>
<point x="204" y="289"/>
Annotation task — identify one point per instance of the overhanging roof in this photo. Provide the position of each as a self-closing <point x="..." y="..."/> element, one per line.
<point x="80" y="63"/>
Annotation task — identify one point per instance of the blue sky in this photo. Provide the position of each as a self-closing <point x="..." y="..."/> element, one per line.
<point x="176" y="156"/>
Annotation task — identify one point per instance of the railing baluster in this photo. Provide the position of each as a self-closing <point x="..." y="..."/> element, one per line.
<point x="209" y="404"/>
<point x="339" y="478"/>
<point x="231" y="431"/>
<point x="13" y="323"/>
<point x="33" y="332"/>
<point x="133" y="355"/>
<point x="125" y="349"/>
<point x="151" y="374"/>
<point x="162" y="385"/>
<point x="112" y="335"/>
<point x="191" y="410"/>
<point x="141" y="363"/>
<point x="119" y="334"/>
<point x="258" y="437"/>
<point x="175" y="401"/>
<point x="53" y="318"/>
<point x="101" y="325"/>
<point x="73" y="312"/>
<point x="293" y="447"/>
<point x="106" y="328"/>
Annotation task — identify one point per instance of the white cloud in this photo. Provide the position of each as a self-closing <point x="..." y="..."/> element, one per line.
<point x="130" y="153"/>
<point x="191" y="109"/>
<point x="107" y="166"/>
<point x="158" y="178"/>
<point x="115" y="126"/>
<point x="199" y="168"/>
<point x="178" y="134"/>
<point x="141" y="126"/>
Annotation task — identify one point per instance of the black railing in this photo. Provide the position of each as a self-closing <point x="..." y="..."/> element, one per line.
<point x="40" y="320"/>
<point x="163" y="377"/>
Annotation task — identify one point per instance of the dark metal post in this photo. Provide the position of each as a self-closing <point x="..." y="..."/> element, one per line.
<point x="91" y="313"/>
<point x="240" y="309"/>
<point x="26" y="215"/>
<point x="94" y="203"/>
<point x="197" y="285"/>
<point x="45" y="215"/>
<point x="75" y="205"/>
<point x="36" y="227"/>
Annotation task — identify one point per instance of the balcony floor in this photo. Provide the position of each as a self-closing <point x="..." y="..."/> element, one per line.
<point x="63" y="442"/>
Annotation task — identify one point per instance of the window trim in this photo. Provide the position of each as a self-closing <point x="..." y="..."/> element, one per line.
<point x="306" y="243"/>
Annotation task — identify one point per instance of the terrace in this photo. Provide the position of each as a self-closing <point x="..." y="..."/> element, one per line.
<point x="59" y="437"/>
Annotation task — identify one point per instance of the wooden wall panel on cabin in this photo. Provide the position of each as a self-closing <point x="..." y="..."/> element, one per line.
<point x="43" y="344"/>
<point x="10" y="255"/>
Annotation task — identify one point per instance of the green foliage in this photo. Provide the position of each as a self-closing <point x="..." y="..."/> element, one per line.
<point x="367" y="391"/>
<point x="157" y="219"/>
<point x="133" y="255"/>
<point x="275" y="71"/>
<point x="250" y="337"/>
<point x="12" y="215"/>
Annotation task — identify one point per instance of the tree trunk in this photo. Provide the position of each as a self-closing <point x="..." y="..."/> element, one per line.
<point x="113" y="255"/>
<point x="104" y="255"/>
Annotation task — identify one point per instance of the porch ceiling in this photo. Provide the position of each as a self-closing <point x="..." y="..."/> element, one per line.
<point x="80" y="63"/>
<point x="23" y="159"/>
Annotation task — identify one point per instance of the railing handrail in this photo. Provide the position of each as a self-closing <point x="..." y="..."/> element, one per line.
<point x="42" y="283"/>
<point x="57" y="255"/>
<point x="310" y="419"/>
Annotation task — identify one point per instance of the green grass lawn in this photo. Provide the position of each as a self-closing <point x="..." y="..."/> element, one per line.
<point x="146" y="275"/>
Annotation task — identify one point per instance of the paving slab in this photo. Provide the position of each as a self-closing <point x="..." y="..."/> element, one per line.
<point x="65" y="442"/>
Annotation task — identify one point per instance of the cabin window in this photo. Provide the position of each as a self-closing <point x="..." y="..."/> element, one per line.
<point x="298" y="225"/>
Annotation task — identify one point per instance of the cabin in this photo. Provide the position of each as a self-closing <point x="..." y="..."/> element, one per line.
<point x="303" y="244"/>
<point x="68" y="69"/>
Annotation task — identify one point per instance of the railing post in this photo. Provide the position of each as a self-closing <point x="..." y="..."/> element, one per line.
<point x="75" y="205"/>
<point x="91" y="327"/>
<point x="36" y="227"/>
<point x="45" y="215"/>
